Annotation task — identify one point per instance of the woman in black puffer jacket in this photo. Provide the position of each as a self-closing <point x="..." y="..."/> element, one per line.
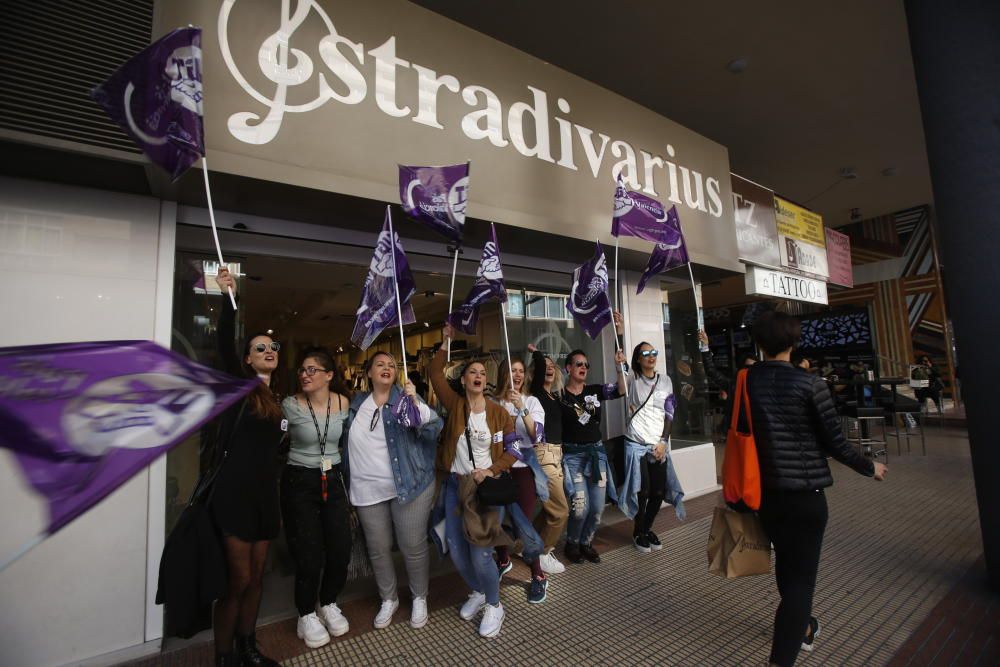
<point x="795" y="427"/>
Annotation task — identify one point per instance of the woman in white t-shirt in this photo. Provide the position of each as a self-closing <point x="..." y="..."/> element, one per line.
<point x="532" y="483"/>
<point x="389" y="444"/>
<point x="650" y="412"/>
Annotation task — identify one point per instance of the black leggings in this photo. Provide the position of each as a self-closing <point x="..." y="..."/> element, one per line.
<point x="237" y="610"/>
<point x="318" y="534"/>
<point x="794" y="522"/>
<point x="652" y="491"/>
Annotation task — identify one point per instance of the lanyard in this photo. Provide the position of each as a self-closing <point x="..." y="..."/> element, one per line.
<point x="322" y="441"/>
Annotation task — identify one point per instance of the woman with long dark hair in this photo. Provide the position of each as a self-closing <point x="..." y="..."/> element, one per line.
<point x="314" y="499"/>
<point x="650" y="413"/>
<point x="389" y="460"/>
<point x="795" y="427"/>
<point x="479" y="442"/>
<point x="245" y="494"/>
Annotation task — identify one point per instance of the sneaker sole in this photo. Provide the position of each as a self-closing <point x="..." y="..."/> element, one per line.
<point x="339" y="633"/>
<point x="494" y="633"/>
<point x="314" y="644"/>
<point x="503" y="571"/>
<point x="416" y="625"/>
<point x="473" y="616"/>
<point x="383" y="625"/>
<point x="643" y="550"/>
<point x="545" y="595"/>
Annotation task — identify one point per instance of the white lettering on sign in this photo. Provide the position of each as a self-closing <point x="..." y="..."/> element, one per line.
<point x="528" y="122"/>
<point x="780" y="285"/>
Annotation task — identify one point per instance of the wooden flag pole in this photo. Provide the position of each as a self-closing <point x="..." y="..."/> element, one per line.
<point x="395" y="285"/>
<point x="451" y="294"/>
<point x="211" y="217"/>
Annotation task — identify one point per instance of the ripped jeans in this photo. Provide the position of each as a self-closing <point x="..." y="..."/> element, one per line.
<point x="586" y="489"/>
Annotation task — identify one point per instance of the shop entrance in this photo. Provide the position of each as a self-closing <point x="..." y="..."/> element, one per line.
<point x="307" y="301"/>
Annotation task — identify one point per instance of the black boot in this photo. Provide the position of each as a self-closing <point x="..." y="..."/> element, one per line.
<point x="226" y="660"/>
<point x="249" y="655"/>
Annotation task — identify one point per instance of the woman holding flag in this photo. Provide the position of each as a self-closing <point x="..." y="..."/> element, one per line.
<point x="585" y="462"/>
<point x="244" y="498"/>
<point x="389" y="444"/>
<point x="479" y="442"/>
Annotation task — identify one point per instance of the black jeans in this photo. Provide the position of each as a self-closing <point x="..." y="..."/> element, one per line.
<point x="795" y="522"/>
<point x="318" y="534"/>
<point x="652" y="491"/>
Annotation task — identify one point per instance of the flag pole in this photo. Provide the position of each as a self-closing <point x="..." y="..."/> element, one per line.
<point x="618" y="345"/>
<point x="506" y="342"/>
<point x="211" y="217"/>
<point x="395" y="286"/>
<point x="22" y="550"/>
<point x="451" y="294"/>
<point x="697" y="304"/>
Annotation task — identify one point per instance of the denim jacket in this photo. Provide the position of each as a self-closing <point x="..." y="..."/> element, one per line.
<point x="632" y="480"/>
<point x="411" y="450"/>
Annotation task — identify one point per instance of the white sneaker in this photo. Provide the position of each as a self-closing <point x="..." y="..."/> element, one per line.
<point x="418" y="615"/>
<point x="492" y="621"/>
<point x="334" y="619"/>
<point x="312" y="632"/>
<point x="550" y="564"/>
<point x="384" y="616"/>
<point x="472" y="606"/>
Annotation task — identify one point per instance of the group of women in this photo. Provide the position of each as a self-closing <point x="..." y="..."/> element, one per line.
<point x="410" y="475"/>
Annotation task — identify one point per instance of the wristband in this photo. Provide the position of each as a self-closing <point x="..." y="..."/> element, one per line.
<point x="524" y="412"/>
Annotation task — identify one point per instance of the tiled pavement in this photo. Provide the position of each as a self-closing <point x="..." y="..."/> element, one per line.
<point x="894" y="553"/>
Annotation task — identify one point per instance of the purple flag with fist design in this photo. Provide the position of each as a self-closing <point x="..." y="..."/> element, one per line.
<point x="489" y="285"/>
<point x="665" y="256"/>
<point x="156" y="97"/>
<point x="588" y="299"/>
<point x="436" y="197"/>
<point x="377" y="309"/>
<point x="83" y="418"/>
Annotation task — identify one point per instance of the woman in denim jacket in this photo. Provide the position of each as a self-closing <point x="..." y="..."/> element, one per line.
<point x="389" y="443"/>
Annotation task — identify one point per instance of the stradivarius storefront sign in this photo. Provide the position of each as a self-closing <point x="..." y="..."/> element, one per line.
<point x="338" y="70"/>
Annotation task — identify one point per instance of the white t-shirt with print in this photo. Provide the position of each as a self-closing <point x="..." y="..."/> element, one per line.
<point x="481" y="441"/>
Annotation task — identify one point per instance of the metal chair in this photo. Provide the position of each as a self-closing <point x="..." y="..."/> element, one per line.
<point x="864" y="416"/>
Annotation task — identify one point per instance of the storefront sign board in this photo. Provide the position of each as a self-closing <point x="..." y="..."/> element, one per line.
<point x="756" y="229"/>
<point x="838" y="254"/>
<point x="782" y="285"/>
<point x="332" y="95"/>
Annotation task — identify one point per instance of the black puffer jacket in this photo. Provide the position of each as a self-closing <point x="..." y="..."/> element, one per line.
<point x="796" y="427"/>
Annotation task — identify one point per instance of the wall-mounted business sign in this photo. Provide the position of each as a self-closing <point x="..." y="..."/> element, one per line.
<point x="782" y="285"/>
<point x="332" y="95"/>
<point x="838" y="254"/>
<point x="756" y="230"/>
<point x="802" y="243"/>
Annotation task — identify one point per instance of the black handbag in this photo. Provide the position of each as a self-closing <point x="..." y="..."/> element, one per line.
<point x="492" y="491"/>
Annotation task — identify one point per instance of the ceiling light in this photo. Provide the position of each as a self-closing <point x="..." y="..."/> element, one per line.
<point x="427" y="324"/>
<point x="737" y="65"/>
<point x="270" y="332"/>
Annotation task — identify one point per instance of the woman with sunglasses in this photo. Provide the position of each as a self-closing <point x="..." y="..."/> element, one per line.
<point x="389" y="457"/>
<point x="532" y="484"/>
<point x="244" y="497"/>
<point x="651" y="403"/>
<point x="479" y="442"/>
<point x="314" y="500"/>
<point x="585" y="461"/>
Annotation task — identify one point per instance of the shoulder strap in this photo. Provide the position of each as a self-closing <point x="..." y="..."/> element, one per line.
<point x="652" y="391"/>
<point x="741" y="400"/>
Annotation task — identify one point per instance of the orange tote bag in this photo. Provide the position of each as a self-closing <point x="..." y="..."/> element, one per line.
<point x="740" y="468"/>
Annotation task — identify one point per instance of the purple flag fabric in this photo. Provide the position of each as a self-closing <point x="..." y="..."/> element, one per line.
<point x="670" y="406"/>
<point x="377" y="309"/>
<point x="407" y="412"/>
<point x="489" y="285"/>
<point x="588" y="300"/>
<point x="83" y="418"/>
<point x="437" y="197"/>
<point x="665" y="256"/>
<point x="156" y="98"/>
<point x="642" y="216"/>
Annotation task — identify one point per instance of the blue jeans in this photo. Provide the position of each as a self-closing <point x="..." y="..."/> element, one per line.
<point x="532" y="543"/>
<point x="585" y="490"/>
<point x="475" y="564"/>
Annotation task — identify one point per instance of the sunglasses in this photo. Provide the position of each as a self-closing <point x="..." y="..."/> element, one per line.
<point x="649" y="353"/>
<point x="311" y="370"/>
<point x="583" y="364"/>
<point x="262" y="347"/>
<point x="374" y="422"/>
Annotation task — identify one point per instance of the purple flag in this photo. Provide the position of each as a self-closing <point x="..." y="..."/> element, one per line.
<point x="377" y="309"/>
<point x="665" y="256"/>
<point x="488" y="285"/>
<point x="83" y="418"/>
<point x="407" y="413"/>
<point x="156" y="98"/>
<point x="436" y="196"/>
<point x="642" y="216"/>
<point x="588" y="300"/>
